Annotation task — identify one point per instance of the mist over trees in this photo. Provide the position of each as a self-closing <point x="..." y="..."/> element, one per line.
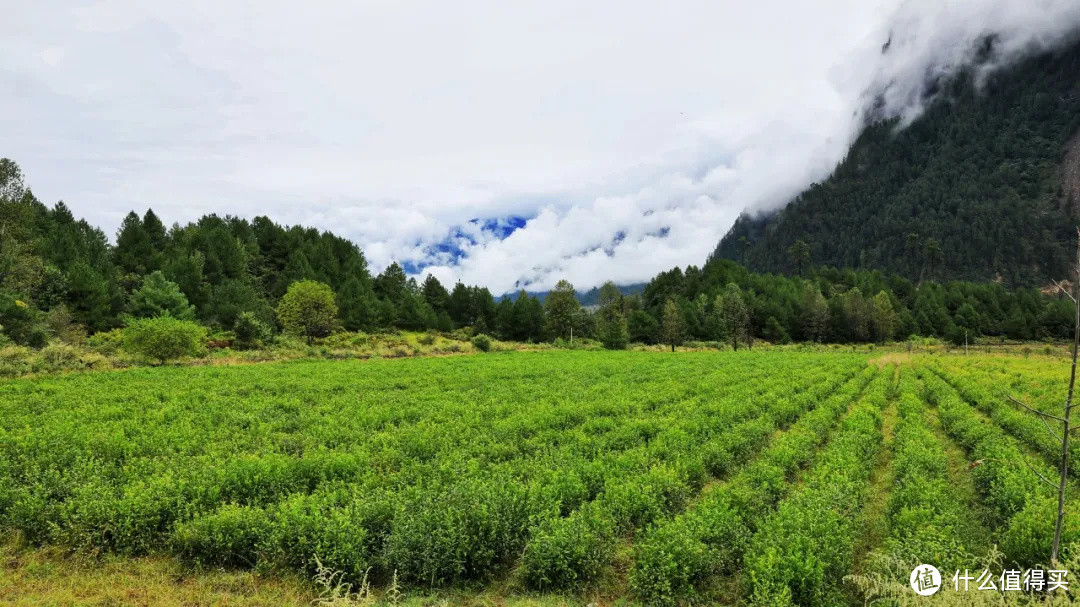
<point x="61" y="278"/>
<point x="971" y="190"/>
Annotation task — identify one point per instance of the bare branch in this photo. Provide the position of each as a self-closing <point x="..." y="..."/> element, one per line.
<point x="1036" y="411"/>
<point x="980" y="462"/>
<point x="1063" y="290"/>
<point x="1039" y="474"/>
<point x="1056" y="436"/>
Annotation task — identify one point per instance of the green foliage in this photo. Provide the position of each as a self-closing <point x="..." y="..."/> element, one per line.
<point x="611" y="324"/>
<point x="308" y="309"/>
<point x="642" y="327"/>
<point x="482" y="342"/>
<point x="164" y="338"/>
<point x="970" y="190"/>
<point x="250" y="469"/>
<point x="675" y="561"/>
<point x="228" y="537"/>
<point x="250" y="331"/>
<point x="560" y="310"/>
<point x="232" y="298"/>
<point x="106" y="342"/>
<point x="22" y="322"/>
<point x="734" y="314"/>
<point x="158" y="296"/>
<point x="569" y="552"/>
<point x="671" y="331"/>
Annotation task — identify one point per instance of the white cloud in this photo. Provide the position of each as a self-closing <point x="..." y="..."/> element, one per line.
<point x="396" y="123"/>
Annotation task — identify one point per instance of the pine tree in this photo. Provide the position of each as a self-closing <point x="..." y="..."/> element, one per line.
<point x="460" y="305"/>
<point x="133" y="252"/>
<point x="392" y="284"/>
<point x="358" y="305"/>
<point x="158" y="296"/>
<point x="814" y="313"/>
<point x="157" y="237"/>
<point x="883" y="317"/>
<point x="232" y="298"/>
<point x="610" y="321"/>
<point x="435" y="294"/>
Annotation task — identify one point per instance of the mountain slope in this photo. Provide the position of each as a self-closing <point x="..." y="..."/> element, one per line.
<point x="982" y="186"/>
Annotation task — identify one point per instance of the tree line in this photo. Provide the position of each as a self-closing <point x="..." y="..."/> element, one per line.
<point x="61" y="278"/>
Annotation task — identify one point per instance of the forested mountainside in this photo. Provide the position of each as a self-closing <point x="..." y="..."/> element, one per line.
<point x="982" y="186"/>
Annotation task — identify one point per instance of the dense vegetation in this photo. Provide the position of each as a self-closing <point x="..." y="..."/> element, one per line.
<point x="842" y="306"/>
<point x="58" y="274"/>
<point x="61" y="279"/>
<point x="549" y="470"/>
<point x="972" y="190"/>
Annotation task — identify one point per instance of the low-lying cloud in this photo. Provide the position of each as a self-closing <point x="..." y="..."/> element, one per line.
<point x="508" y="145"/>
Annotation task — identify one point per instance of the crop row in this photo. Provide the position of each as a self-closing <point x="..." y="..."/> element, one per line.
<point x="1023" y="507"/>
<point x="800" y="554"/>
<point x="974" y="386"/>
<point x="567" y="551"/>
<point x="376" y="466"/>
<point x="926" y="518"/>
<point x="677" y="559"/>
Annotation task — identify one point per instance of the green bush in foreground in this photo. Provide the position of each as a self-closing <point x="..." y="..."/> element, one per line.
<point x="164" y="338"/>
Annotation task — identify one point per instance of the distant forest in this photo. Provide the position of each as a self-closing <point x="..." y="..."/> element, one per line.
<point x="973" y="189"/>
<point x="60" y="277"/>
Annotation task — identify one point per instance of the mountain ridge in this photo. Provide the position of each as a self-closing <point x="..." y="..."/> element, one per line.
<point x="984" y="185"/>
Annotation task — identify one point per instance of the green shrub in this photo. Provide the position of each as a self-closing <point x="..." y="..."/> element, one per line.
<point x="250" y="331"/>
<point x="1031" y="531"/>
<point x="426" y="339"/>
<point x="164" y="338"/>
<point x="482" y="342"/>
<point x="330" y="526"/>
<point x="59" y="357"/>
<point x="106" y="342"/>
<point x="63" y="327"/>
<point x="22" y="322"/>
<point x="568" y="552"/>
<point x="15" y="361"/>
<point x="228" y="537"/>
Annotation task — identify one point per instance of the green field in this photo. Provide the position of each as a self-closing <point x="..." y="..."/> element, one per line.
<point x="761" y="478"/>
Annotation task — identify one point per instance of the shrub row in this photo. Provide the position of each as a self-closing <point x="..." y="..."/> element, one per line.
<point x="570" y="551"/>
<point x="1023" y="507"/>
<point x="677" y="558"/>
<point x="799" y="555"/>
<point x="973" y="386"/>
<point x="372" y="467"/>
<point x="926" y="519"/>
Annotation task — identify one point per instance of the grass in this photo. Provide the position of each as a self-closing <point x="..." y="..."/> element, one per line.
<point x="51" y="576"/>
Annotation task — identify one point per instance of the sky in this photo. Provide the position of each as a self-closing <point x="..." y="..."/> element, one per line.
<point x="506" y="144"/>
